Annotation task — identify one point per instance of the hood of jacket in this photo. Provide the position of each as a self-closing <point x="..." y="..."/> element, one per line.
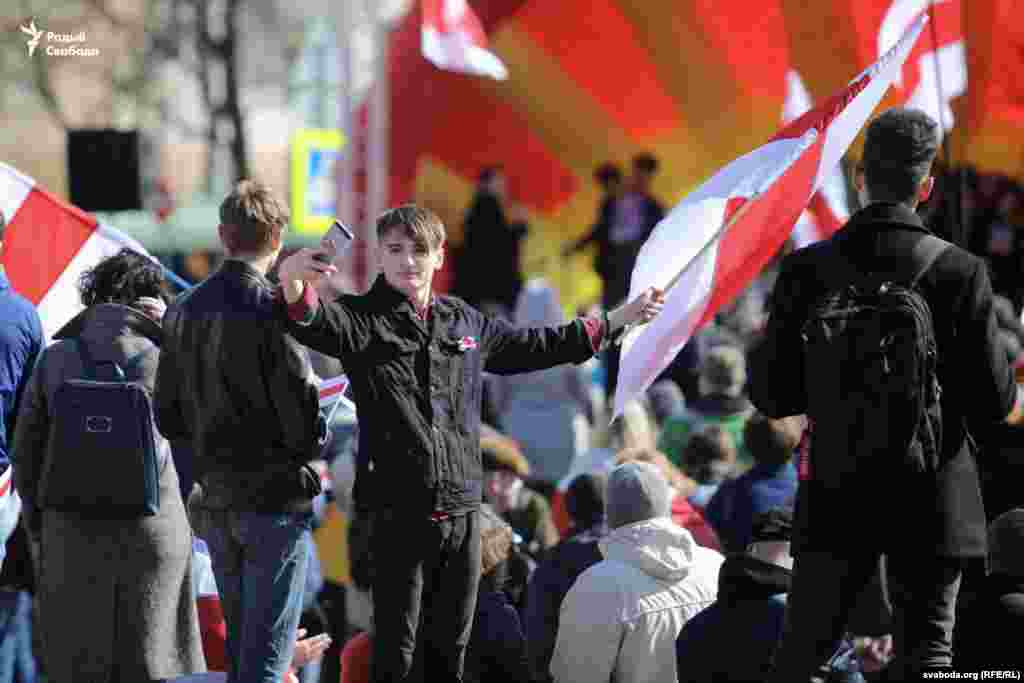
<point x="104" y="323"/>
<point x="743" y="577"/>
<point x="658" y="547"/>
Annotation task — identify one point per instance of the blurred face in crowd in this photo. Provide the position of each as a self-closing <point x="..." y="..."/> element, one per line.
<point x="503" y="489"/>
<point x="496" y="185"/>
<point x="408" y="263"/>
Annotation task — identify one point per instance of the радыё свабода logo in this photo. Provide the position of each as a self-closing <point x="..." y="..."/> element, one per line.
<point x="70" y="39"/>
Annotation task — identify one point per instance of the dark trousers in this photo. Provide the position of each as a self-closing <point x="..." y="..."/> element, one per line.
<point x="426" y="575"/>
<point x="923" y="592"/>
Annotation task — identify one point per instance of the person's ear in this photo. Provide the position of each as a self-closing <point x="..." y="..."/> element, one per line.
<point x="858" y="178"/>
<point x="226" y="238"/>
<point x="440" y="255"/>
<point x="924" y="192"/>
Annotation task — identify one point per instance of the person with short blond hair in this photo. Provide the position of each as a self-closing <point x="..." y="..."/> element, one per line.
<point x="252" y="219"/>
<point x="416" y="361"/>
<point x="237" y="387"/>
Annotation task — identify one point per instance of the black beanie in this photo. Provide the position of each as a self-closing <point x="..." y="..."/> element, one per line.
<point x="584" y="500"/>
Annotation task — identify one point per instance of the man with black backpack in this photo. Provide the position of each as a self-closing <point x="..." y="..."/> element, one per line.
<point x="885" y="337"/>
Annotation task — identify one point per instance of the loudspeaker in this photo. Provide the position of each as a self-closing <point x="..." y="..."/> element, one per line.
<point x="103" y="170"/>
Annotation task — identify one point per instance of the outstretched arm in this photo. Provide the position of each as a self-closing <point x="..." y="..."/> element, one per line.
<point x="510" y="350"/>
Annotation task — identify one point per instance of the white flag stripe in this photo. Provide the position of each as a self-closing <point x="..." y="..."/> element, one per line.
<point x="952" y="65"/>
<point x="455" y="51"/>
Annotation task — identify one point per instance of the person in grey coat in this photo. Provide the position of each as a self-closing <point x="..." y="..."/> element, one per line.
<point x="116" y="601"/>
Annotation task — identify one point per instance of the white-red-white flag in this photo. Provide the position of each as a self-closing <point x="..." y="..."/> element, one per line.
<point x="48" y="244"/>
<point x="716" y="241"/>
<point x="452" y="38"/>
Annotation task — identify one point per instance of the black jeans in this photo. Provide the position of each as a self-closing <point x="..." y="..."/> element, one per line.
<point x="426" y="575"/>
<point x="923" y="592"/>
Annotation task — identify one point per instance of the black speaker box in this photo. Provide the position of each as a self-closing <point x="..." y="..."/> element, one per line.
<point x="103" y="170"/>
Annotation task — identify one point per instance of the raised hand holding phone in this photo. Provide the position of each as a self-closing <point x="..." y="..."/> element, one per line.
<point x="335" y="243"/>
<point x="312" y="265"/>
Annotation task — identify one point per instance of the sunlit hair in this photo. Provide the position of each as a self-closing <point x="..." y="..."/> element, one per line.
<point x="252" y="219"/>
<point x="422" y="226"/>
<point x="123" y="278"/>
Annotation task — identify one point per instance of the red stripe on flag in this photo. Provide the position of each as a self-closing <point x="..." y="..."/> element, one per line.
<point x="825" y="218"/>
<point x="40" y="241"/>
<point x="331" y="391"/>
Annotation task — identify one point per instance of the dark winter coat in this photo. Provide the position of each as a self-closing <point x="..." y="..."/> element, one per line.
<point x="418" y="384"/>
<point x="115" y="595"/>
<point x="940" y="514"/>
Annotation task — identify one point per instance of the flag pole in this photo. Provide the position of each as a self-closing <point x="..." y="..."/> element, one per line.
<point x="714" y="238"/>
<point x="175" y="279"/>
<point x="379" y="131"/>
<point x="346" y="161"/>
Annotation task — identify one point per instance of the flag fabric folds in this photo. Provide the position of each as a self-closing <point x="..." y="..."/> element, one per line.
<point x="717" y="240"/>
<point x="452" y="38"/>
<point x="48" y="244"/>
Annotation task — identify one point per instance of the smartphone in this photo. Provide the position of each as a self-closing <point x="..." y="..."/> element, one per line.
<point x="341" y="237"/>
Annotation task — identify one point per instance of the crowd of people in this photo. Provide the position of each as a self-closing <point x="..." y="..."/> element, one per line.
<point x="497" y="526"/>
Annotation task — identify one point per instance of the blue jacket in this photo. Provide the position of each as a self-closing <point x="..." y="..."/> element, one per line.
<point x="733" y="507"/>
<point x="21" y="341"/>
<point x="497" y="647"/>
<point x="747" y="618"/>
<point x="549" y="585"/>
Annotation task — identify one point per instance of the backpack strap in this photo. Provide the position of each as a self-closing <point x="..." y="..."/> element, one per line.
<point x="137" y="359"/>
<point x="927" y="250"/>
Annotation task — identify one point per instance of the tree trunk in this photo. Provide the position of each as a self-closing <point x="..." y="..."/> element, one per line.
<point x="232" y="106"/>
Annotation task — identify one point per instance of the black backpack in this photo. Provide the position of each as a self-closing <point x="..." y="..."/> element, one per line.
<point x="870" y="369"/>
<point x="102" y="458"/>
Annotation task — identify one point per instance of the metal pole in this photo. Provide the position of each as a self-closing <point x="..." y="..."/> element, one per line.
<point x="345" y="205"/>
<point x="379" y="131"/>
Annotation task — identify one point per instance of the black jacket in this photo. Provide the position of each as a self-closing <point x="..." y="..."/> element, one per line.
<point x="236" y="386"/>
<point x="488" y="267"/>
<point x="418" y="387"/>
<point x="989" y="626"/>
<point x="497" y="647"/>
<point x="942" y="515"/>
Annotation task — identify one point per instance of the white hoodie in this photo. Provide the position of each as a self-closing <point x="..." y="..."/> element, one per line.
<point x="620" y="620"/>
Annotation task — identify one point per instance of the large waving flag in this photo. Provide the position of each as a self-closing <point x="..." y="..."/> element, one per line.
<point x="716" y="241"/>
<point x="48" y="244"/>
<point x="452" y="38"/>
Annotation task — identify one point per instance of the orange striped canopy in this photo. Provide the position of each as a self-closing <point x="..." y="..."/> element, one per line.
<point x="695" y="82"/>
